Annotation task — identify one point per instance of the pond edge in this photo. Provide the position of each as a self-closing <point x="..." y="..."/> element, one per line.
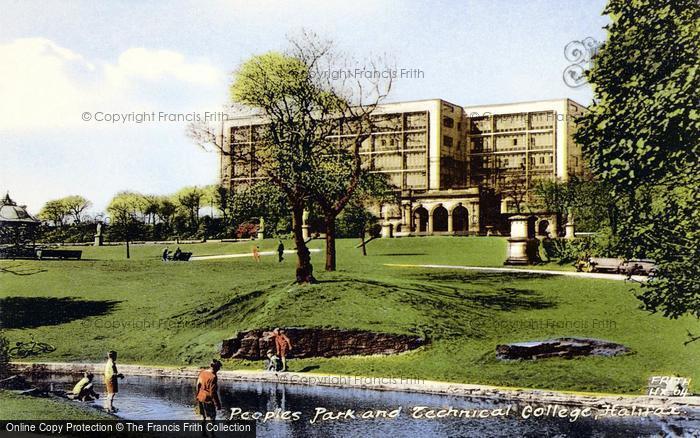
<point x="540" y="396"/>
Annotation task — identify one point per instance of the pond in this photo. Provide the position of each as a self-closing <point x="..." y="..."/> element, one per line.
<point x="166" y="398"/>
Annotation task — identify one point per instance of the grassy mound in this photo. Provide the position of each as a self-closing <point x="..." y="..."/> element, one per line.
<point x="177" y="313"/>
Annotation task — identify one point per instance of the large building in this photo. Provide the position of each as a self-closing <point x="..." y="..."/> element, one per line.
<point x="450" y="163"/>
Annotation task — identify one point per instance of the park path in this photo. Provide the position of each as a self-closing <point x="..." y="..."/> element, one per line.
<point x="637" y="278"/>
<point x="248" y="254"/>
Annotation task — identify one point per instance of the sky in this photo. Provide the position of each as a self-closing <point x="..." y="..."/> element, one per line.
<point x="64" y="62"/>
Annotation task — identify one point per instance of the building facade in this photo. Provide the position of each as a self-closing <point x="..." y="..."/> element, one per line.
<point x="450" y="163"/>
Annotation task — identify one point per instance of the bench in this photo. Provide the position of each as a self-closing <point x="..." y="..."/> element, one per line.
<point x="638" y="267"/>
<point x="604" y="264"/>
<point x="60" y="254"/>
<point x="182" y="257"/>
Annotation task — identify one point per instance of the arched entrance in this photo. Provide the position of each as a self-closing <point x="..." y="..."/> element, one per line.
<point x="420" y="217"/>
<point x="460" y="220"/>
<point x="542" y="228"/>
<point x="440" y="219"/>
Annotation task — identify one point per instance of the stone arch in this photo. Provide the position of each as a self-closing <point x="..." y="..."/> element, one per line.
<point x="440" y="219"/>
<point x="460" y="220"/>
<point x="420" y="216"/>
<point x="542" y="228"/>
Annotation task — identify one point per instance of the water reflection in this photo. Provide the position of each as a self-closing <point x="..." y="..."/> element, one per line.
<point x="151" y="398"/>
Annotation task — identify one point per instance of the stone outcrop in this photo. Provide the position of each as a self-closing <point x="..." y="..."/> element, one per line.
<point x="559" y="347"/>
<point x="316" y="342"/>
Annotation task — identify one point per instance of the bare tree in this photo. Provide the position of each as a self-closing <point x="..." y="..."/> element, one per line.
<point x="514" y="186"/>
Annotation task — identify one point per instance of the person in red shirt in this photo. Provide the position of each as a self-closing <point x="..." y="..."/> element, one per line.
<point x="283" y="346"/>
<point x="208" y="391"/>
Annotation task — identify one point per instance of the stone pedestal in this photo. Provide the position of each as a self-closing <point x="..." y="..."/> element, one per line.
<point x="570" y="231"/>
<point x="387" y="230"/>
<point x="523" y="247"/>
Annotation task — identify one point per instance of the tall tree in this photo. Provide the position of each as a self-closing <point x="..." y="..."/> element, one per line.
<point x="300" y="105"/>
<point x="54" y="211"/>
<point x="124" y="210"/>
<point x="76" y="205"/>
<point x="190" y="199"/>
<point x="642" y="136"/>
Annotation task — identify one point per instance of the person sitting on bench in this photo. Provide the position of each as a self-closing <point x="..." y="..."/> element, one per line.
<point x="176" y="254"/>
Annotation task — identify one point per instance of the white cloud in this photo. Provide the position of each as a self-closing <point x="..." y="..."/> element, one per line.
<point x="44" y="85"/>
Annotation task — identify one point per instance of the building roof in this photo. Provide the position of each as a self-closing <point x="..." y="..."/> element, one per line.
<point x="11" y="213"/>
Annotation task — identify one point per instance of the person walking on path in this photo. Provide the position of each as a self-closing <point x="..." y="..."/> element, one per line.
<point x="283" y="346"/>
<point x="208" y="391"/>
<point x="256" y="253"/>
<point x="111" y="380"/>
<point x="280" y="251"/>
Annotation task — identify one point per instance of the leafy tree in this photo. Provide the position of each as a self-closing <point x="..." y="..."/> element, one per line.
<point x="301" y="108"/>
<point x="190" y="199"/>
<point x="76" y="205"/>
<point x="642" y="136"/>
<point x="54" y="211"/>
<point x="124" y="210"/>
<point x="261" y="200"/>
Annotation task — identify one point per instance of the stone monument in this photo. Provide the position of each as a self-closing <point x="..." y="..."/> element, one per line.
<point x="99" y="238"/>
<point x="523" y="246"/>
<point x="261" y="229"/>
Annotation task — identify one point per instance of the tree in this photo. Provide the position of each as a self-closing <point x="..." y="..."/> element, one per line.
<point x="123" y="211"/>
<point x="357" y="219"/>
<point x="585" y="199"/>
<point x="641" y="134"/>
<point x="300" y="108"/>
<point x="76" y="205"/>
<point x="190" y="199"/>
<point x="54" y="211"/>
<point x="261" y="200"/>
<point x="514" y="186"/>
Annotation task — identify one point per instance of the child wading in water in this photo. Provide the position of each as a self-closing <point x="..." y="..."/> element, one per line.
<point x="111" y="382"/>
<point x="208" y="391"/>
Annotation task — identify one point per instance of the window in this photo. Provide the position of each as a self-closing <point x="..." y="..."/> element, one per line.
<point x="448" y="122"/>
<point x="505" y="162"/>
<point x="515" y="142"/>
<point x="551" y="159"/>
<point x="541" y="160"/>
<point x="447" y="141"/>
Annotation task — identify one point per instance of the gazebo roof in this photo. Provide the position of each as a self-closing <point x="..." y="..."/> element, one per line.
<point x="11" y="213"/>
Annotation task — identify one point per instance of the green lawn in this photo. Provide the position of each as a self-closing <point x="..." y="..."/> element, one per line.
<point x="23" y="407"/>
<point x="177" y="313"/>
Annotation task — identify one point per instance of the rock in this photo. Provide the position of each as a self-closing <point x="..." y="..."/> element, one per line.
<point x="14" y="382"/>
<point x="560" y="347"/>
<point x="312" y="342"/>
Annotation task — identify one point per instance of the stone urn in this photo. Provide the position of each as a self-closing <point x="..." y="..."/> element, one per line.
<point x="523" y="246"/>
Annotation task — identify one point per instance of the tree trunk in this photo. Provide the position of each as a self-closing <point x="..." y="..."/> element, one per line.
<point x="362" y="239"/>
<point x="305" y="271"/>
<point x="330" y="242"/>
